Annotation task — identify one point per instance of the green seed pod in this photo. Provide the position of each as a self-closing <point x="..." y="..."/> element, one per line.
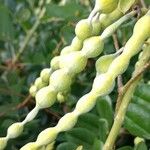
<point x="77" y="44"/>
<point x="55" y="63"/>
<point x="39" y="83"/>
<point x="103" y="63"/>
<point x="45" y="74"/>
<point x="70" y="118"/>
<point x="100" y="81"/>
<point x="33" y="90"/>
<point x="144" y="25"/>
<point x="67" y="50"/>
<point x="30" y="146"/>
<point x="47" y="136"/>
<point x="83" y="29"/>
<point x="75" y="62"/>
<point x="60" y="98"/>
<point x="106" y="6"/>
<point x="96" y="24"/>
<point x="60" y="80"/>
<point x="107" y="19"/>
<point x="15" y="130"/>
<point x="3" y="143"/>
<point x="89" y="99"/>
<point x="45" y="97"/>
<point x="93" y="46"/>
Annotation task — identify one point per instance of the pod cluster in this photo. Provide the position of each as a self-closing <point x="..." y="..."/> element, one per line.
<point x="57" y="80"/>
<point x="102" y="85"/>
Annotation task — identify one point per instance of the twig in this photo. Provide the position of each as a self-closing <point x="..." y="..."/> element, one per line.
<point x="125" y="96"/>
<point x="119" y="78"/>
<point x="143" y="4"/>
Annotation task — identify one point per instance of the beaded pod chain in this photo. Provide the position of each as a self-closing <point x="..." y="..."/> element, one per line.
<point x="73" y="59"/>
<point x="100" y="85"/>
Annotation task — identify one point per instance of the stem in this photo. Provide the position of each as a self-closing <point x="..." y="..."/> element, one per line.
<point x="128" y="89"/>
<point x="29" y="36"/>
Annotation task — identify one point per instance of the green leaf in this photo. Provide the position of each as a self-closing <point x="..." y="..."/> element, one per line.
<point x="125" y="148"/>
<point x="67" y="11"/>
<point x="137" y="120"/>
<point x="141" y="146"/>
<point x="6" y="26"/>
<point x="98" y="145"/>
<point x="81" y="136"/>
<point x="104" y="109"/>
<point x="124" y="5"/>
<point x="66" y="146"/>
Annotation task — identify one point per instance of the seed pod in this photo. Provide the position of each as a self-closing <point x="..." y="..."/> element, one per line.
<point x="39" y="83"/>
<point x="144" y="25"/>
<point x="75" y="62"/>
<point x="15" y="130"/>
<point x="47" y="136"/>
<point x="30" y="146"/>
<point x="83" y="29"/>
<point x="45" y="74"/>
<point x="67" y="50"/>
<point x="45" y="97"/>
<point x="89" y="99"/>
<point x="103" y="84"/>
<point x="77" y="44"/>
<point x="60" y="80"/>
<point x="93" y="46"/>
<point x="103" y="63"/>
<point x="55" y="63"/>
<point x="3" y="143"/>
<point x="107" y="19"/>
<point x="60" y="97"/>
<point x="71" y="120"/>
<point x="96" y="26"/>
<point x="33" y="90"/>
<point x="106" y="6"/>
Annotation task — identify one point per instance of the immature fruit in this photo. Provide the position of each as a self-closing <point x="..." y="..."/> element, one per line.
<point x="45" y="74"/>
<point x="93" y="46"/>
<point x="142" y="27"/>
<point x="55" y="63"/>
<point x="47" y="136"/>
<point x="67" y="122"/>
<point x="33" y="90"/>
<point x="3" y="143"/>
<point x="39" y="83"/>
<point x="77" y="44"/>
<point x="106" y="6"/>
<point x="15" y="130"/>
<point x="45" y="97"/>
<point x="103" y="63"/>
<point x="75" y="62"/>
<point x="103" y="84"/>
<point x="83" y="29"/>
<point x="96" y="24"/>
<point x="30" y="146"/>
<point x="67" y="50"/>
<point x="60" y="80"/>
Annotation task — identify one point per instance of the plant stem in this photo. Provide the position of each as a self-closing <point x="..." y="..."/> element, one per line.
<point x="29" y="36"/>
<point x="128" y="89"/>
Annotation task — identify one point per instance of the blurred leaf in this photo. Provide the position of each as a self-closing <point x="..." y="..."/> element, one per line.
<point x="6" y="26"/>
<point x="68" y="11"/>
<point x="98" y="145"/>
<point x="137" y="120"/>
<point x="104" y="109"/>
<point x="141" y="146"/>
<point x="67" y="146"/>
<point x="126" y="148"/>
